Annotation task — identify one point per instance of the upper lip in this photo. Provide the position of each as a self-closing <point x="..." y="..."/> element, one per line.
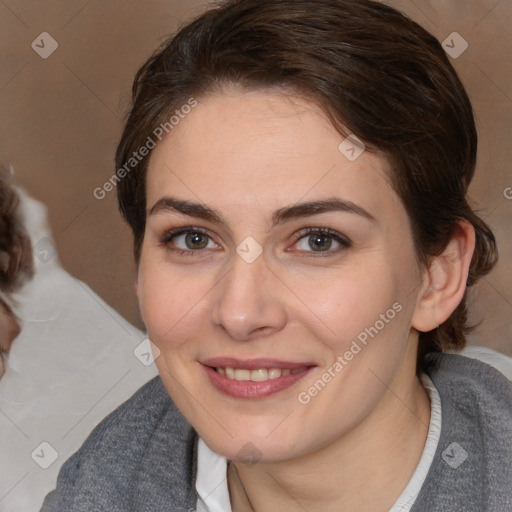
<point x="252" y="364"/>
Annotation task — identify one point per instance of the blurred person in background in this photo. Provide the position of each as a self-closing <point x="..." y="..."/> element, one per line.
<point x="15" y="262"/>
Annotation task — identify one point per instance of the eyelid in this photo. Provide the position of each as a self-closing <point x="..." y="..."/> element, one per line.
<point x="343" y="240"/>
<point x="169" y="234"/>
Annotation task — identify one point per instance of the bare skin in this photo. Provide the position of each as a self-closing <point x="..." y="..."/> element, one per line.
<point x="9" y="329"/>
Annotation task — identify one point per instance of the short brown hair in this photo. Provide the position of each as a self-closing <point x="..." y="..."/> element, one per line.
<point x="373" y="71"/>
<point x="16" y="263"/>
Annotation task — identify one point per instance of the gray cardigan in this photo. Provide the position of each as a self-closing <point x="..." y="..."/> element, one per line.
<point x="143" y="456"/>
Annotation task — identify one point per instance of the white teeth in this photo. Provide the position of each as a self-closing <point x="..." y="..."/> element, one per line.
<point x="259" y="375"/>
<point x="274" y="373"/>
<point x="242" y="374"/>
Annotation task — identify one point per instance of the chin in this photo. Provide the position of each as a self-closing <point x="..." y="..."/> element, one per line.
<point x="253" y="446"/>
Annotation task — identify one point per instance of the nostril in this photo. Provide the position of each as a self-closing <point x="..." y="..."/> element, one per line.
<point x="261" y="331"/>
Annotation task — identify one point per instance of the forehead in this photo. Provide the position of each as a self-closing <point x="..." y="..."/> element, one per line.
<point x="261" y="150"/>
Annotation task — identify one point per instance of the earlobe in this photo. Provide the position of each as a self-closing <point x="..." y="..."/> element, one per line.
<point x="445" y="280"/>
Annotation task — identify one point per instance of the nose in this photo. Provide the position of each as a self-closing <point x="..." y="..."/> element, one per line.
<point x="249" y="302"/>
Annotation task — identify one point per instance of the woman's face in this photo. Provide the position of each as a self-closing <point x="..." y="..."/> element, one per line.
<point x="272" y="253"/>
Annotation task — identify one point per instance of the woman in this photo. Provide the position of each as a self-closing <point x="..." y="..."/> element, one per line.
<point x="15" y="262"/>
<point x="295" y="175"/>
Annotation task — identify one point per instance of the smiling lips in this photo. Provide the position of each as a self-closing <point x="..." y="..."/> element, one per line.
<point x="259" y="375"/>
<point x="253" y="379"/>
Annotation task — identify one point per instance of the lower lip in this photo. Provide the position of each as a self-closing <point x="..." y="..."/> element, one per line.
<point x="252" y="390"/>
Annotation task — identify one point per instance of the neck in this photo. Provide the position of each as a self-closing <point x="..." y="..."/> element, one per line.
<point x="366" y="469"/>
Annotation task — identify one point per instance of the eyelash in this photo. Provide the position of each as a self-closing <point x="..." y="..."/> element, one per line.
<point x="172" y="233"/>
<point x="344" y="242"/>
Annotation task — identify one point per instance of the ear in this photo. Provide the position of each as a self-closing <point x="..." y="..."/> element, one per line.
<point x="445" y="280"/>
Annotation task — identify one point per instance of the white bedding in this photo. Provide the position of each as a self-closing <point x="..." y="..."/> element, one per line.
<point x="72" y="364"/>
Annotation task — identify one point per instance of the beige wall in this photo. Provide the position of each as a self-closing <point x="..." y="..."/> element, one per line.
<point x="61" y="118"/>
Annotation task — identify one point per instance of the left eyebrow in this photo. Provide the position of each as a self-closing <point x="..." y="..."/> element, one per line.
<point x="334" y="204"/>
<point x="284" y="214"/>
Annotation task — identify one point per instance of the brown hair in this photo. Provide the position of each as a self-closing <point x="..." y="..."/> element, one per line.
<point x="374" y="72"/>
<point x="16" y="263"/>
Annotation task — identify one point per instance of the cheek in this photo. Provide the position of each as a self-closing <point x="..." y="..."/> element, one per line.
<point x="366" y="327"/>
<point x="170" y="303"/>
<point x="352" y="301"/>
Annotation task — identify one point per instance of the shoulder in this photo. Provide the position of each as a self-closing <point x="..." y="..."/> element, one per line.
<point x="500" y="361"/>
<point x="475" y="396"/>
<point x="472" y="467"/>
<point x="142" y="454"/>
<point x="470" y="383"/>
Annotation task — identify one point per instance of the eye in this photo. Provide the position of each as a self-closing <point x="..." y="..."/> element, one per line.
<point x="321" y="240"/>
<point x="188" y="240"/>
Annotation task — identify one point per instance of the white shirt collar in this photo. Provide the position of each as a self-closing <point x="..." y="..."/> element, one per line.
<point x="212" y="484"/>
<point x="211" y="481"/>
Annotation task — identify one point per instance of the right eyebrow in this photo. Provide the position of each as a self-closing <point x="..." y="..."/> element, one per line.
<point x="201" y="211"/>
